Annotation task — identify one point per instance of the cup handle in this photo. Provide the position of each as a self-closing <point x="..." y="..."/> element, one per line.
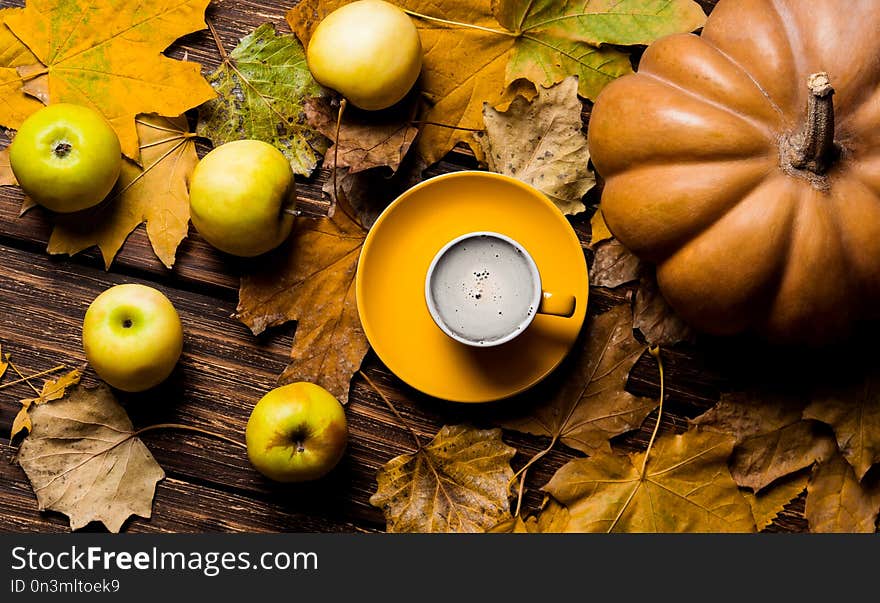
<point x="557" y="305"/>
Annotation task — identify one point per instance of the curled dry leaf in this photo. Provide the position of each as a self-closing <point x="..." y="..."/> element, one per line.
<point x="771" y="501"/>
<point x="542" y="144"/>
<point x="772" y="440"/>
<point x="592" y="406"/>
<point x="84" y="459"/>
<point x="311" y="280"/>
<point x="261" y="88"/>
<point x="366" y="140"/>
<point x="114" y="64"/>
<point x="852" y="408"/>
<point x="837" y="502"/>
<point x="53" y="389"/>
<point x="653" y="316"/>
<point x="15" y="105"/>
<point x="598" y="229"/>
<point x="457" y="483"/>
<point x="613" y="265"/>
<point x="683" y="487"/>
<point x="157" y="193"/>
<point x="543" y="41"/>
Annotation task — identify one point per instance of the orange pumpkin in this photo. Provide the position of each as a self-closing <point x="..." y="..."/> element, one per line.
<point x="745" y="163"/>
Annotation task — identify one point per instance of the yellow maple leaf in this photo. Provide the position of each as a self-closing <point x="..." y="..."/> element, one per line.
<point x="108" y="56"/>
<point x="15" y="105"/>
<point x="156" y="194"/>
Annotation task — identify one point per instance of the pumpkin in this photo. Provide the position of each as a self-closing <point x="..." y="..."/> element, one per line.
<point x="745" y="163"/>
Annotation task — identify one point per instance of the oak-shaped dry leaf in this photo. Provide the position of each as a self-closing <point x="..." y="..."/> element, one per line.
<point x="592" y="405"/>
<point x="53" y="389"/>
<point x="685" y="486"/>
<point x="7" y="178"/>
<point x="456" y="483"/>
<point x="84" y="459"/>
<point x="653" y="316"/>
<point x="261" y="88"/>
<point x="542" y="143"/>
<point x="771" y="501"/>
<point x="366" y="139"/>
<point x="311" y="279"/>
<point x="772" y="440"/>
<point x="15" y="105"/>
<point x="543" y="41"/>
<point x="613" y="265"/>
<point x="838" y="502"/>
<point x="852" y="408"/>
<point x="155" y="192"/>
<point x="108" y="56"/>
<point x="598" y="229"/>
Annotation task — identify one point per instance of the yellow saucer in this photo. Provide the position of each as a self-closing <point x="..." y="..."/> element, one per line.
<point x="391" y="285"/>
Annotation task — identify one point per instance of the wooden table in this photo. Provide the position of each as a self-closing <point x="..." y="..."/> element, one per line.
<point x="224" y="370"/>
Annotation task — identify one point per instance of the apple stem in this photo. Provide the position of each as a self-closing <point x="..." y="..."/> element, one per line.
<point x="191" y="428"/>
<point x="34" y="376"/>
<point x="397" y="414"/>
<point x="62" y="149"/>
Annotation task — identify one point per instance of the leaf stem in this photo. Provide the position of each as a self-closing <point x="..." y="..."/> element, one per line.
<point x="448" y="126"/>
<point x="34" y="376"/>
<point x="524" y="471"/>
<point x="500" y="32"/>
<point x="217" y="41"/>
<point x="397" y="414"/>
<point x="655" y="352"/>
<point x="180" y="426"/>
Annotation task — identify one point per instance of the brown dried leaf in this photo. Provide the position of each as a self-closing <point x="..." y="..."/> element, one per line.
<point x="592" y="405"/>
<point x="771" y="501"/>
<point x="542" y="143"/>
<point x="156" y="193"/>
<point x="7" y="178"/>
<point x="852" y="408"/>
<point x="311" y="280"/>
<point x="457" y="483"/>
<point x="84" y="459"/>
<point x="614" y="265"/>
<point x="653" y="317"/>
<point x="598" y="229"/>
<point x="837" y="502"/>
<point x="551" y="519"/>
<point x="53" y="389"/>
<point x="772" y="440"/>
<point x="366" y="139"/>
<point x="686" y="487"/>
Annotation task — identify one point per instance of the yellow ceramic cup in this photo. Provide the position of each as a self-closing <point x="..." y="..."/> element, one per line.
<point x="483" y="289"/>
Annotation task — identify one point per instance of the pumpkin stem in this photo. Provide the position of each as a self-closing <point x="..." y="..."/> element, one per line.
<point x="814" y="148"/>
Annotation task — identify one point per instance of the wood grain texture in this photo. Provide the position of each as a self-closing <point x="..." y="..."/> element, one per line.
<point x="225" y="370"/>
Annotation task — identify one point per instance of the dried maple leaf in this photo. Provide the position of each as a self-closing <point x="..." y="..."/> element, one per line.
<point x="156" y="193"/>
<point x="15" y="105"/>
<point x="53" y="389"/>
<point x="457" y="483"/>
<point x="542" y="144"/>
<point x="366" y="139"/>
<point x="614" y="265"/>
<point x="852" y="408"/>
<point x="311" y="280"/>
<point x="598" y="229"/>
<point x="837" y="502"/>
<point x="592" y="405"/>
<point x="683" y="486"/>
<point x="772" y="440"/>
<point x="551" y="519"/>
<point x="108" y="56"/>
<point x="653" y="316"/>
<point x="7" y="178"/>
<point x="771" y="501"/>
<point x="261" y="86"/>
<point x="497" y="43"/>
<point x="84" y="459"/>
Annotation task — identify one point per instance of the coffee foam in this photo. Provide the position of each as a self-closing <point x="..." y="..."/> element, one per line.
<point x="483" y="289"/>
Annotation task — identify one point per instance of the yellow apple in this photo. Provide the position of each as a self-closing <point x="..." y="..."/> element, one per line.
<point x="132" y="337"/>
<point x="296" y="433"/>
<point x="369" y="51"/>
<point x="66" y="157"/>
<point x="242" y="196"/>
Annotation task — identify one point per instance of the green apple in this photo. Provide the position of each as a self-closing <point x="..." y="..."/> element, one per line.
<point x="242" y="197"/>
<point x="66" y="157"/>
<point x="296" y="433"/>
<point x="132" y="337"/>
<point x="368" y="51"/>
